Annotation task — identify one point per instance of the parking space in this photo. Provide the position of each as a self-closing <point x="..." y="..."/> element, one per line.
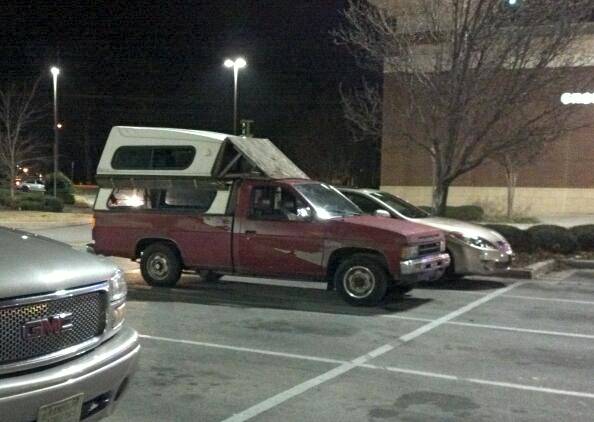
<point x="476" y="350"/>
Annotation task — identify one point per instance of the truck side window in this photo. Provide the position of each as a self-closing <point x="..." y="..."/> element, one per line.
<point x="275" y="203"/>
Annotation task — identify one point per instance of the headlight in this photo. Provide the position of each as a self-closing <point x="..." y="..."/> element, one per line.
<point x="409" y="252"/>
<point x="117" y="297"/>
<point x="477" y="242"/>
<point x="117" y="287"/>
<point x="442" y="246"/>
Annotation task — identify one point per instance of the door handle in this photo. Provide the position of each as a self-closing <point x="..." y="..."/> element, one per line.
<point x="250" y="232"/>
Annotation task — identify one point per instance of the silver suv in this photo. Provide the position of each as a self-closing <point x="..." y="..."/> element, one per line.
<point x="65" y="353"/>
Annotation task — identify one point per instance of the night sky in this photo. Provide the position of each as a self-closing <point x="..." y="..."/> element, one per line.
<point x="159" y="63"/>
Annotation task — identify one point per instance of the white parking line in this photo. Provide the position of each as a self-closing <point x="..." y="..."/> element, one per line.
<point x="523" y="297"/>
<point x="242" y="349"/>
<point x="496" y="327"/>
<point x="346" y="367"/>
<point x="484" y="382"/>
<point x="551" y="299"/>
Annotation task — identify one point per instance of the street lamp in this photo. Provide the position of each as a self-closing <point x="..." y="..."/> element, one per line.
<point x="55" y="72"/>
<point x="236" y="64"/>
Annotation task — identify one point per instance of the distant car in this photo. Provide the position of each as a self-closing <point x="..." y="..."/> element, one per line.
<point x="474" y="249"/>
<point x="65" y="353"/>
<point x="31" y="185"/>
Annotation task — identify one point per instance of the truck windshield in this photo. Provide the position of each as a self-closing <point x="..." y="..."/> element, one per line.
<point x="400" y="205"/>
<point x="327" y="201"/>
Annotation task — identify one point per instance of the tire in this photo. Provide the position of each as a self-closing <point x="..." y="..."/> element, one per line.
<point x="450" y="272"/>
<point x="362" y="280"/>
<point x="160" y="265"/>
<point x="25" y="189"/>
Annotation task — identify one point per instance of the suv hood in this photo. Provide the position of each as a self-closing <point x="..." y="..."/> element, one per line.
<point x="467" y="229"/>
<point x="414" y="232"/>
<point x="32" y="265"/>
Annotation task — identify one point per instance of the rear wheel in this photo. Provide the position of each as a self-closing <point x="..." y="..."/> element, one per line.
<point x="160" y="265"/>
<point x="362" y="280"/>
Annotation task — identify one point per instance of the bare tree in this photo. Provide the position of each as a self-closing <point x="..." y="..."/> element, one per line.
<point x="18" y="113"/>
<point x="474" y="78"/>
<point x="362" y="110"/>
<point x="512" y="161"/>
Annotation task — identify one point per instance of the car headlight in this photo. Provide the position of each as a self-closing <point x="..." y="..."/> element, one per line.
<point x="409" y="252"/>
<point x="117" y="297"/>
<point x="117" y="287"/>
<point x="442" y="246"/>
<point x="477" y="242"/>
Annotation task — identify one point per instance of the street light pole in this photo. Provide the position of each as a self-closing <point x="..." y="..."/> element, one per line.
<point x="236" y="64"/>
<point x="55" y="72"/>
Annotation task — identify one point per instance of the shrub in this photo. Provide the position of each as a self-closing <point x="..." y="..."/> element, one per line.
<point x="553" y="239"/>
<point x="464" y="213"/>
<point x="520" y="240"/>
<point x="53" y="204"/>
<point x="64" y="187"/>
<point x="584" y="236"/>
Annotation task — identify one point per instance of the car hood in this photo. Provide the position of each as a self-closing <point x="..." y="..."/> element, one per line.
<point x="31" y="265"/>
<point x="413" y="232"/>
<point x="467" y="229"/>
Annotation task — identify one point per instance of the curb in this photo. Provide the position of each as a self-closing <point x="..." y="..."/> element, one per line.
<point x="579" y="263"/>
<point x="532" y="271"/>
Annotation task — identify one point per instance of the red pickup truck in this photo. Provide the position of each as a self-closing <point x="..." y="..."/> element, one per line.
<point x="290" y="228"/>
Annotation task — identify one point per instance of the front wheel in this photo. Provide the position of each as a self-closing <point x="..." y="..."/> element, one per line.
<point x="362" y="280"/>
<point x="160" y="265"/>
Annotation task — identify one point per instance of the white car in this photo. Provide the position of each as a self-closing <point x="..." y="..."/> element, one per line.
<point x="474" y="249"/>
<point x="31" y="185"/>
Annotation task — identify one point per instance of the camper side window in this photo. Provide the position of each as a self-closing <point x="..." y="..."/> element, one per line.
<point x="188" y="198"/>
<point x="129" y="198"/>
<point x="153" y="158"/>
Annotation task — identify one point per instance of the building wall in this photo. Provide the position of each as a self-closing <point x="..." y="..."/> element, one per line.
<point x="560" y="181"/>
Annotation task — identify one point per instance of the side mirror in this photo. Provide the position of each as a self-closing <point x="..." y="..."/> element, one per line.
<point x="382" y="213"/>
<point x="305" y="214"/>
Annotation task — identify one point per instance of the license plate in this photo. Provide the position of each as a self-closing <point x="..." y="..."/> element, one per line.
<point x="67" y="410"/>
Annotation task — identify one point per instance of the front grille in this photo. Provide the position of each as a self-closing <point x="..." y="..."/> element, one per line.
<point x="429" y="248"/>
<point x="88" y="321"/>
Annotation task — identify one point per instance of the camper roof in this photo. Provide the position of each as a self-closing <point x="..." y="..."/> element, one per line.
<point x="169" y="133"/>
<point x="141" y="155"/>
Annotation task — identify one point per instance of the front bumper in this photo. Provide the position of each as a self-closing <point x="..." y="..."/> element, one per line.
<point x="469" y="260"/>
<point x="101" y="375"/>
<point x="427" y="268"/>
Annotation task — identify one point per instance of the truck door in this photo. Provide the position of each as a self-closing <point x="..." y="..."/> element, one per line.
<point x="276" y="238"/>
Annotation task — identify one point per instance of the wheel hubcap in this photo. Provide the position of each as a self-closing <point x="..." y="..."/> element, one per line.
<point x="359" y="282"/>
<point x="158" y="266"/>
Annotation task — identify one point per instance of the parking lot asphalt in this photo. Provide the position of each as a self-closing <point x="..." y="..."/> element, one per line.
<point x="473" y="349"/>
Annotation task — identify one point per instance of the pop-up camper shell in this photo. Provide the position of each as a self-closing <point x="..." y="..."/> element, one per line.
<point x="136" y="157"/>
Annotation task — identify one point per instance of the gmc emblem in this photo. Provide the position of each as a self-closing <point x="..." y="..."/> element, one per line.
<point x="52" y="325"/>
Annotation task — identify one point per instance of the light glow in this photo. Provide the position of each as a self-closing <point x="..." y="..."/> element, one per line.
<point x="132" y="201"/>
<point x="238" y="63"/>
<point x="583" y="98"/>
<point x="55" y="71"/>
